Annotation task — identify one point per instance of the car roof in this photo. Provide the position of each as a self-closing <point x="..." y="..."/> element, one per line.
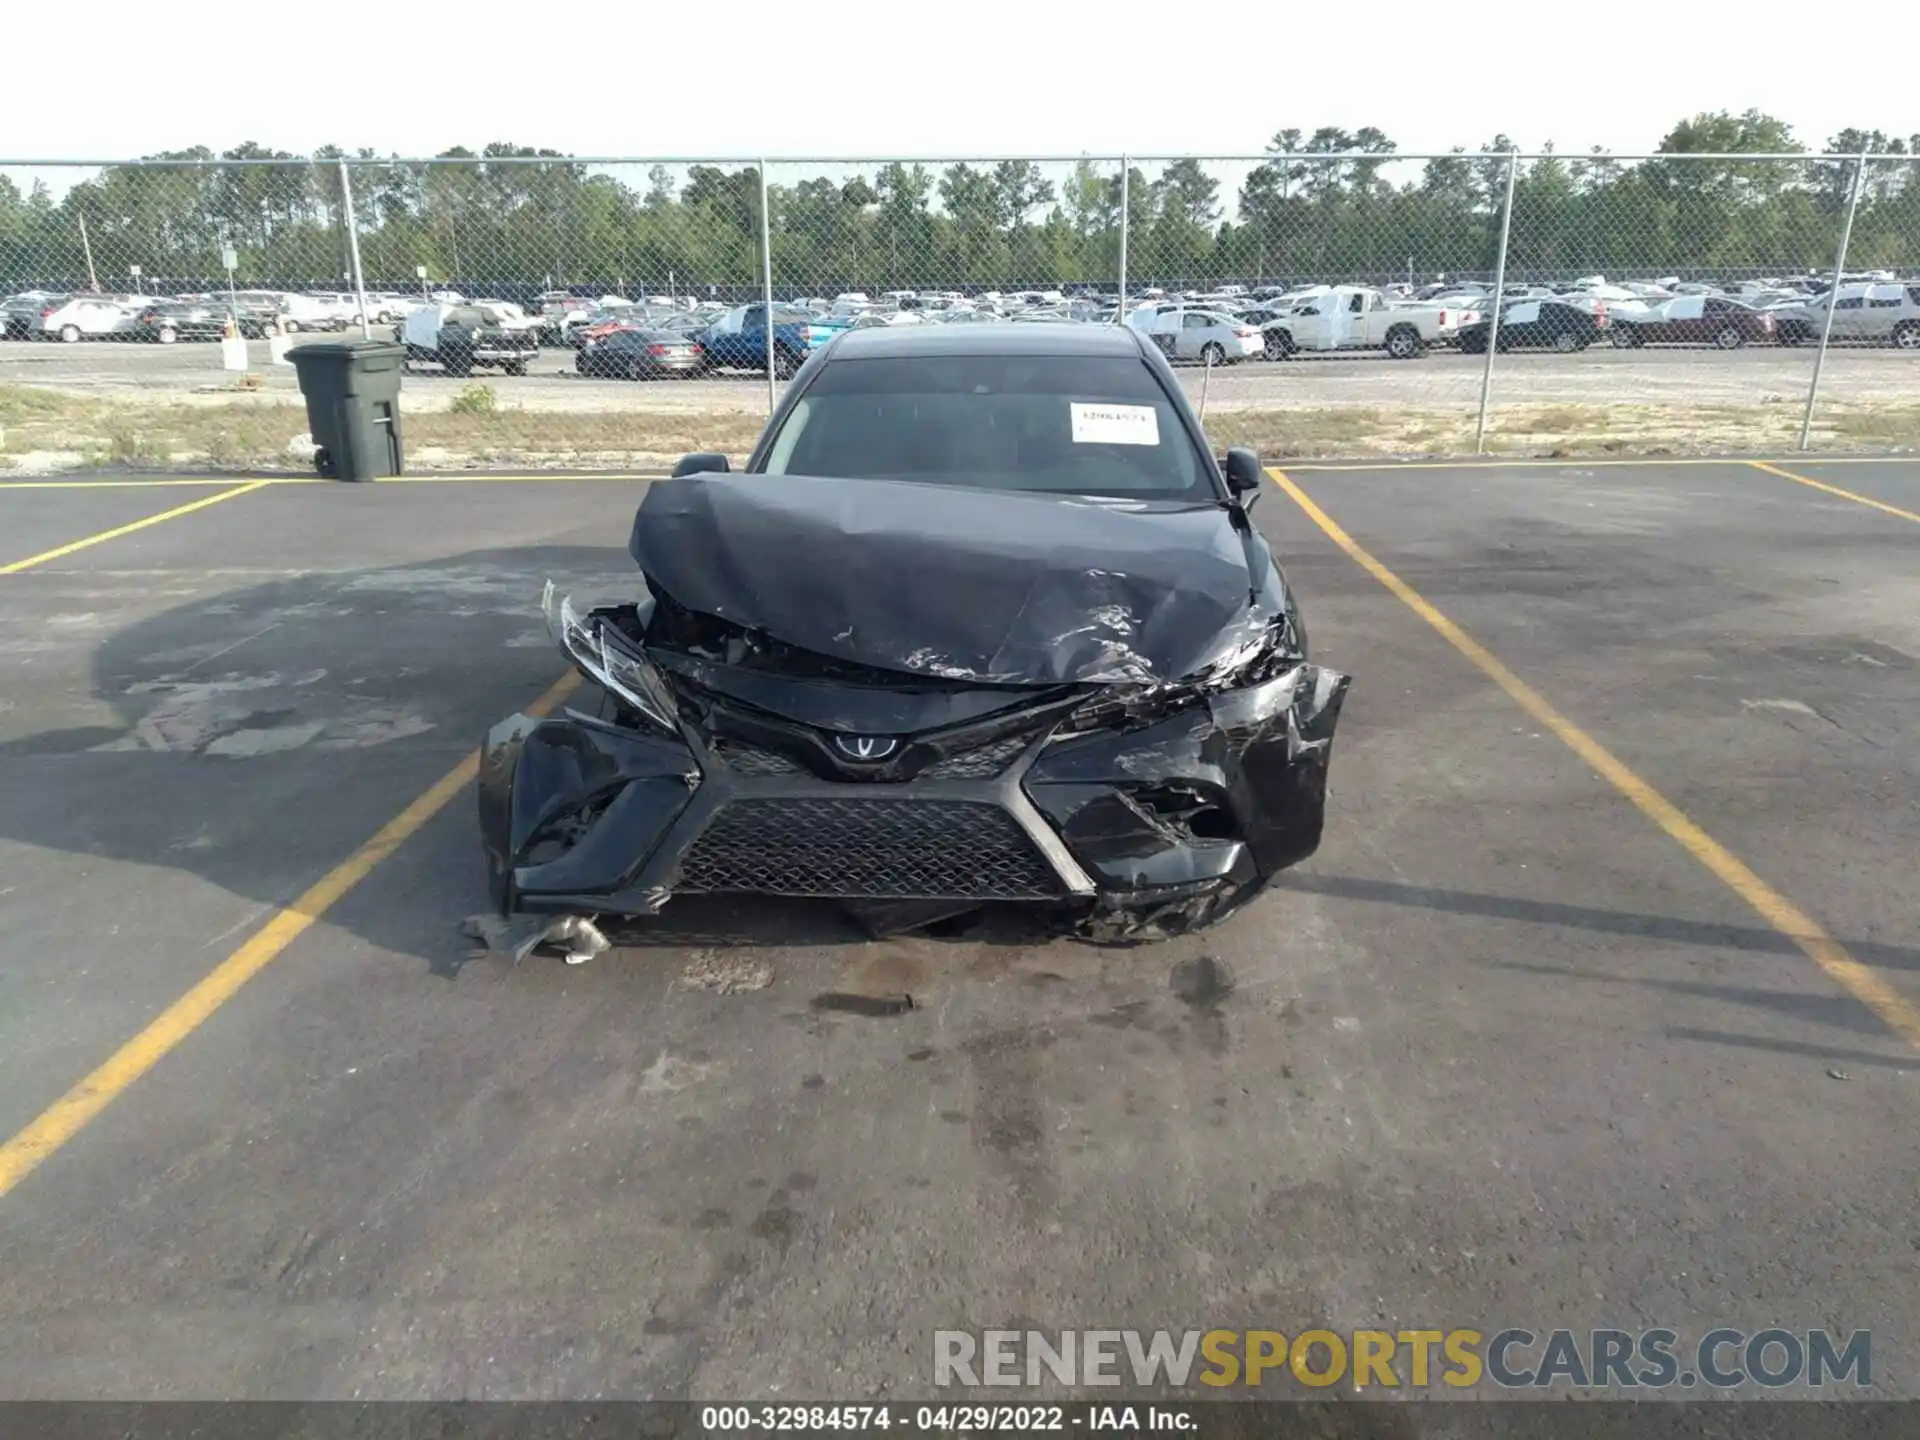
<point x="885" y="342"/>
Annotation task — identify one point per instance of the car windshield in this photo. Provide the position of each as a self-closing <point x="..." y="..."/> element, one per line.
<point x="1072" y="424"/>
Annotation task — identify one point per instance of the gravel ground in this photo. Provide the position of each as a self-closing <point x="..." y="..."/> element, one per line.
<point x="1445" y="378"/>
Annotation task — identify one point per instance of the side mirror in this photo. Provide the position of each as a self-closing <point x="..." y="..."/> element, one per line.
<point x="1243" y="474"/>
<point x="703" y="462"/>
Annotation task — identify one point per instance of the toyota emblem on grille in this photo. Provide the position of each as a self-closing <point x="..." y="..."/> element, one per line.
<point x="865" y="747"/>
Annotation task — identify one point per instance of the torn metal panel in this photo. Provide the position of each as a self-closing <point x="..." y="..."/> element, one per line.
<point x="565" y="802"/>
<point x="576" y="937"/>
<point x="987" y="586"/>
<point x="1232" y="789"/>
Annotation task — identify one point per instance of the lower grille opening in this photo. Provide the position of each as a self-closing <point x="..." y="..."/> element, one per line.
<point x="868" y="848"/>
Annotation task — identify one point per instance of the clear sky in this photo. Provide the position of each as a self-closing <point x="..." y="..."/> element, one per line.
<point x="940" y="79"/>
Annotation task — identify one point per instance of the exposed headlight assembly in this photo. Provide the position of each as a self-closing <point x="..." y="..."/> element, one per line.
<point x="609" y="657"/>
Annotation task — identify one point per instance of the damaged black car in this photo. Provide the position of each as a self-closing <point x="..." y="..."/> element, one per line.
<point x="982" y="622"/>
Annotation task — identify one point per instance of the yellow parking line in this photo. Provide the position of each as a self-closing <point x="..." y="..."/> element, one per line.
<point x="1858" y="980"/>
<point x="68" y="1115"/>
<point x="156" y="483"/>
<point x="1835" y="490"/>
<point x="114" y="534"/>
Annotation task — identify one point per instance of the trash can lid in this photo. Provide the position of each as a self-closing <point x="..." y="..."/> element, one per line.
<point x="346" y="350"/>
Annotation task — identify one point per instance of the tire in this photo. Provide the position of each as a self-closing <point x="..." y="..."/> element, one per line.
<point x="70" y="334"/>
<point x="1212" y="353"/>
<point x="1566" y="342"/>
<point x="515" y="367"/>
<point x="1623" y="337"/>
<point x="1403" y="343"/>
<point x="290" y="327"/>
<point x="785" y="365"/>
<point x="1473" y="344"/>
<point x="168" y="335"/>
<point x="1906" y="335"/>
<point x="1277" y="345"/>
<point x="1729" y="338"/>
<point x="457" y="363"/>
<point x="323" y="464"/>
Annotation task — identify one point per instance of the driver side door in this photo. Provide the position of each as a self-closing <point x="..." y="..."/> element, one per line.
<point x="1309" y="324"/>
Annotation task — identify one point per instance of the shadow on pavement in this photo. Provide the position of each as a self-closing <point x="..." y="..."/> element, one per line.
<point x="1755" y="938"/>
<point x="260" y="735"/>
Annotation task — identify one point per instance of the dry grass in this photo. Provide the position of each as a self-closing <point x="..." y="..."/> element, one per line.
<point x="46" y="430"/>
<point x="559" y="439"/>
<point x="1561" y="430"/>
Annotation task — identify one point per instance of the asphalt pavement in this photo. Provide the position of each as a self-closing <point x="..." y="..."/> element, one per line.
<point x="1598" y="1007"/>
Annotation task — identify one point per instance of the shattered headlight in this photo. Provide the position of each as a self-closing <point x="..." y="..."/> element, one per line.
<point x="1253" y="657"/>
<point x="609" y="657"/>
<point x="1245" y="658"/>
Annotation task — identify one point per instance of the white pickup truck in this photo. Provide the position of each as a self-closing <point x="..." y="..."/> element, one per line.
<point x="1355" y="317"/>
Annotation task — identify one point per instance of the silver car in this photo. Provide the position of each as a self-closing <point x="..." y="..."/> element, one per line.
<point x="1209" y="336"/>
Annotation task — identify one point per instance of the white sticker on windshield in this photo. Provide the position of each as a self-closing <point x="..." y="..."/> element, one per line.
<point x="1114" y="424"/>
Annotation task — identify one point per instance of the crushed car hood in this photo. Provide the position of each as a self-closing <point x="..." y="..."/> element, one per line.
<point x="995" y="587"/>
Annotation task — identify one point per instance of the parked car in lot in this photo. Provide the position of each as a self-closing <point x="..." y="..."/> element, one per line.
<point x="258" y="311"/>
<point x="167" y="321"/>
<point x="20" y="314"/>
<point x="316" y="312"/>
<point x="87" y="317"/>
<point x="1537" y="324"/>
<point x="1357" y="317"/>
<point x="1884" y="313"/>
<point x="1211" y="337"/>
<point x="738" y="338"/>
<point x="600" y="324"/>
<point x="1695" y="320"/>
<point x="460" y="337"/>
<point x="638" y="354"/>
<point x="1125" y="732"/>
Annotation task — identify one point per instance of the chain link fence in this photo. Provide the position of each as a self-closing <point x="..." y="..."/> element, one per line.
<point x="1317" y="304"/>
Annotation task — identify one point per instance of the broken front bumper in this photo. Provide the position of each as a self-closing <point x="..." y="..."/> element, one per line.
<point x="1176" y="818"/>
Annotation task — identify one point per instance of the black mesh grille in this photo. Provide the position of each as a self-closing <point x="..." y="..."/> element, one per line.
<point x="989" y="760"/>
<point x="746" y="759"/>
<point x="881" y="849"/>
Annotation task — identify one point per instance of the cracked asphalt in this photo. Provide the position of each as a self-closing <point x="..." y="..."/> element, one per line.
<point x="1503" y="1053"/>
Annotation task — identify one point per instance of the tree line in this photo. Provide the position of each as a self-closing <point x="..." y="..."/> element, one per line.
<point x="510" y="218"/>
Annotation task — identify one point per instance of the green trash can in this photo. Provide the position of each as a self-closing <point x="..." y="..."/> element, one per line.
<point x="353" y="405"/>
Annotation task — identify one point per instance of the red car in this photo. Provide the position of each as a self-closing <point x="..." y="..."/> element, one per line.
<point x="1695" y="320"/>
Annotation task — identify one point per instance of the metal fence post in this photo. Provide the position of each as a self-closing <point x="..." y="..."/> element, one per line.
<point x="1120" y="305"/>
<point x="766" y="276"/>
<point x="353" y="250"/>
<point x="1833" y="297"/>
<point x="1499" y="293"/>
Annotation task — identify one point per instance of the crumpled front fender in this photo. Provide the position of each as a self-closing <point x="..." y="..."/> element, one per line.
<point x="1229" y="791"/>
<point x="536" y="774"/>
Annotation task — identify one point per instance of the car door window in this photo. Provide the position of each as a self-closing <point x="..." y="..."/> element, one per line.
<point x="1197" y="322"/>
<point x="1357" y="304"/>
<point x="1852" y="302"/>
